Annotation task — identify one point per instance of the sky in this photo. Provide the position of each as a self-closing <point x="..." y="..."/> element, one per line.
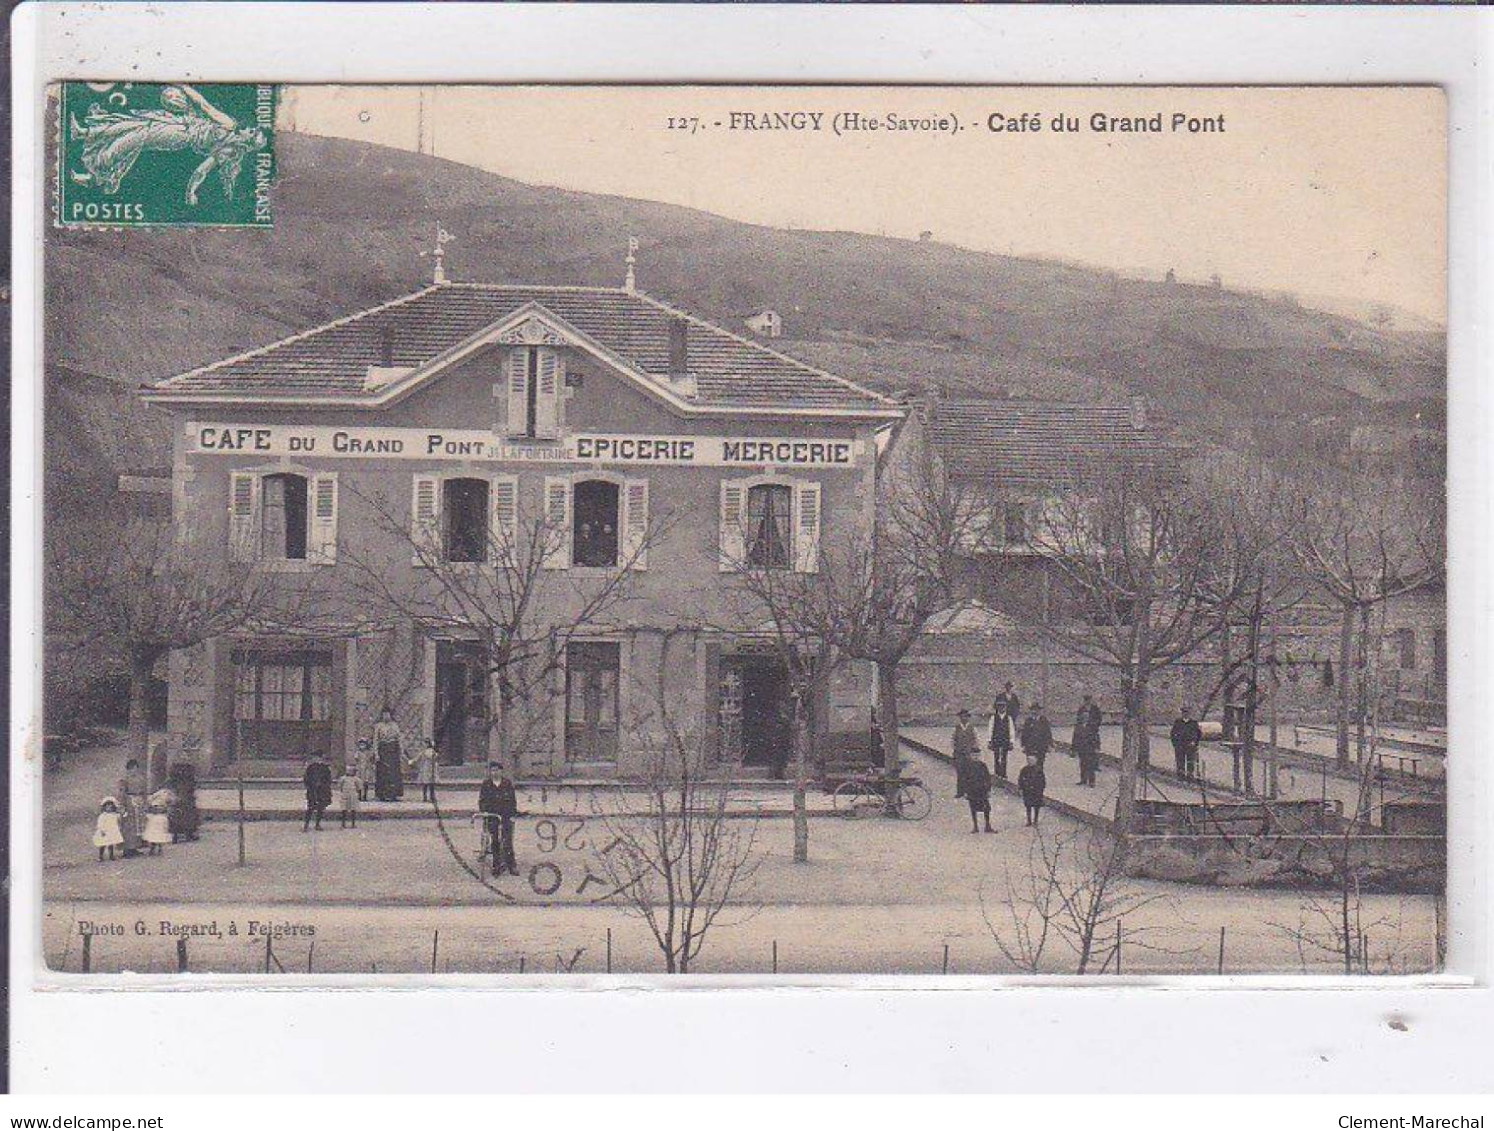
<point x="1320" y="191"/>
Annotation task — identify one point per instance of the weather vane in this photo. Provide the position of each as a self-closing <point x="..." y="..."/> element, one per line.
<point x="438" y="252"/>
<point x="630" y="283"/>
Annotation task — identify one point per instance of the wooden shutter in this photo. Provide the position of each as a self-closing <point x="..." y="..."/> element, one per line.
<point x="505" y="497"/>
<point x="807" y="527"/>
<point x="635" y="524"/>
<point x="518" y="391"/>
<point x="547" y="400"/>
<point x="557" y="529"/>
<point x="425" y="519"/>
<point x="733" y="525"/>
<point x="321" y="537"/>
<point x="243" y="516"/>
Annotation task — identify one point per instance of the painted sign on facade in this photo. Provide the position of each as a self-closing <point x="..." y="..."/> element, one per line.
<point x="475" y="444"/>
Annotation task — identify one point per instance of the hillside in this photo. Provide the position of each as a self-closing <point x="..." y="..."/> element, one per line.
<point x="352" y="220"/>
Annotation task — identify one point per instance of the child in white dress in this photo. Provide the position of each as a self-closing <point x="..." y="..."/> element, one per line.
<point x="157" y="821"/>
<point x="107" y="832"/>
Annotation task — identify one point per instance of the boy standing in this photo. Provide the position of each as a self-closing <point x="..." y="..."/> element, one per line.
<point x="978" y="793"/>
<point x="318" y="781"/>
<point x="966" y="745"/>
<point x="1032" y="783"/>
<point x="351" y="787"/>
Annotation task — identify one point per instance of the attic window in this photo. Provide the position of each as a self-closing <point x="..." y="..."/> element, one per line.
<point x="536" y="375"/>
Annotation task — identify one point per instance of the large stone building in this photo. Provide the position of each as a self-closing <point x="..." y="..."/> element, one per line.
<point x="400" y="447"/>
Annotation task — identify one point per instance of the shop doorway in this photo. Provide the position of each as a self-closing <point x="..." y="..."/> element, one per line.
<point x="461" y="721"/>
<point x="766" y="715"/>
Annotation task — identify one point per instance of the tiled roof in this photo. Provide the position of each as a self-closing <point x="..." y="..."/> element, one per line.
<point x="1029" y="443"/>
<point x="332" y="362"/>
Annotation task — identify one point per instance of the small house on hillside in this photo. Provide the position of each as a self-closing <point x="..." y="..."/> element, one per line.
<point x="766" y="323"/>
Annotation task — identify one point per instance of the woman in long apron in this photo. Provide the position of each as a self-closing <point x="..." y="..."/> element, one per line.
<point x="389" y="752"/>
<point x="131" y="793"/>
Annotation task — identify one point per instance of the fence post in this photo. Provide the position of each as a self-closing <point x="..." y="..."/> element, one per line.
<point x="946" y="959"/>
<point x="435" y="947"/>
<point x="775" y="956"/>
<point x="1221" y="950"/>
<point x="241" y="814"/>
<point x="609" y="950"/>
<point x="1117" y="946"/>
<point x="269" y="954"/>
<point x="521" y="964"/>
<point x="310" y="950"/>
<point x="181" y="955"/>
<point x="87" y="952"/>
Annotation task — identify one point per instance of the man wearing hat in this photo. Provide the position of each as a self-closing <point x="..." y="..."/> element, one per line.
<point x="966" y="745"/>
<point x="498" y="802"/>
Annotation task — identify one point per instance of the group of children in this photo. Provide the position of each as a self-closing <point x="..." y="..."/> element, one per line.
<point x="353" y="784"/>
<point x="131" y="822"/>
<point x="154" y="831"/>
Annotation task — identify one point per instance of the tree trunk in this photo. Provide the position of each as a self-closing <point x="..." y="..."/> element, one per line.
<point x="1133" y="745"/>
<point x="1362" y="684"/>
<point x="137" y="742"/>
<point x="1345" y="656"/>
<point x="887" y="722"/>
<point x="801" y="802"/>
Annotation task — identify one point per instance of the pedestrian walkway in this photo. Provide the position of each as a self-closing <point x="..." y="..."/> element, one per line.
<point x="1297" y="779"/>
<point x="1091" y="804"/>
<point x="459" y="802"/>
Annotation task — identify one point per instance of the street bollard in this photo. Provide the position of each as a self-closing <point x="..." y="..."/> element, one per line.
<point x="1221" y="950"/>
<point x="435" y="947"/>
<point x="269" y="954"/>
<point x="946" y="959"/>
<point x="87" y="953"/>
<point x="181" y="956"/>
<point x="609" y="950"/>
<point x="775" y="956"/>
<point x="521" y="964"/>
<point x="1117" y="946"/>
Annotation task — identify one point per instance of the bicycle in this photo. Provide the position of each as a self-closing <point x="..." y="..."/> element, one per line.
<point x="864" y="795"/>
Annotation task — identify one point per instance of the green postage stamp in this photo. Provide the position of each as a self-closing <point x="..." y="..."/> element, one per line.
<point x="146" y="154"/>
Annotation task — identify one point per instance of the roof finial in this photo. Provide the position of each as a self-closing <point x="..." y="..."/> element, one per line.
<point x="630" y="283"/>
<point x="438" y="252"/>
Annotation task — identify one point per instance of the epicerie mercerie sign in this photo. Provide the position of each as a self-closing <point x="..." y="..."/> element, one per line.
<point x="485" y="446"/>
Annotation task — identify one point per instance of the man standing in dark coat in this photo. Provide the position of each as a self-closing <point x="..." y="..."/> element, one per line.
<point x="1087" y="740"/>
<point x="318" y="790"/>
<point x="1013" y="703"/>
<point x="498" y="802"/>
<point x="1037" y="734"/>
<point x="1186" y="735"/>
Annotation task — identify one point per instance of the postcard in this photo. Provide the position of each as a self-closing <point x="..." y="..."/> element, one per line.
<point x="776" y="531"/>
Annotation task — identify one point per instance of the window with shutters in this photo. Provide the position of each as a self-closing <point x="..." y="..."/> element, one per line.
<point x="770" y="536"/>
<point x="535" y="379"/>
<point x="283" y="515"/>
<point x="595" y="521"/>
<point x="464" y="514"/>
<point x="283" y="519"/>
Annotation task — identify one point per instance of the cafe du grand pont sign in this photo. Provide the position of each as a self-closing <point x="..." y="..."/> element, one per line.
<point x="475" y="445"/>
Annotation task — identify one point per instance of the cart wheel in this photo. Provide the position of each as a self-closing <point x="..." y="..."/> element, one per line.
<point x="914" y="802"/>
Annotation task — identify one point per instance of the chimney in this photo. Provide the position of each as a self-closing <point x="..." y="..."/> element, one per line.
<point x="679" y="349"/>
<point x="386" y="346"/>
<point x="1138" y="413"/>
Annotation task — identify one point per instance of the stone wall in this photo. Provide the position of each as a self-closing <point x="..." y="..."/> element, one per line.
<point x="1381" y="863"/>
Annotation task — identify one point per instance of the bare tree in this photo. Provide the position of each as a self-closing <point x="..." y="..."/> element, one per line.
<point x="1364" y="539"/>
<point x="142" y="589"/>
<point x="874" y="591"/>
<point x="1152" y="568"/>
<point x="506" y="595"/>
<point x="1073" y="893"/>
<point x="677" y="857"/>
